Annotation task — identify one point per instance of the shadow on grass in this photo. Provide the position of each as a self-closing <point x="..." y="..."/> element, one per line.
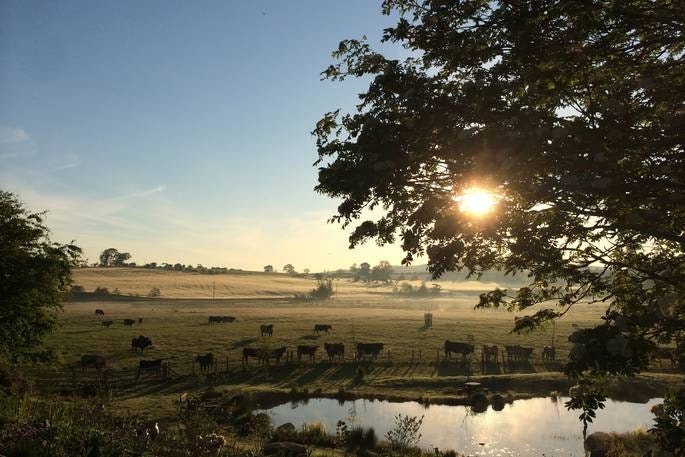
<point x="242" y="343"/>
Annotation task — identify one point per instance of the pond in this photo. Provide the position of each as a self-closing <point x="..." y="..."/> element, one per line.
<point x="533" y="427"/>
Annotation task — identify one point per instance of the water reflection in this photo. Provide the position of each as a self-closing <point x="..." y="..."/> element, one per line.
<point x="525" y="427"/>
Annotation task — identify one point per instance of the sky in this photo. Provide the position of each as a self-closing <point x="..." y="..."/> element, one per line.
<point x="179" y="131"/>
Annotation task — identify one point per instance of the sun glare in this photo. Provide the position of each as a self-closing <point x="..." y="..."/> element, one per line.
<point x="478" y="202"/>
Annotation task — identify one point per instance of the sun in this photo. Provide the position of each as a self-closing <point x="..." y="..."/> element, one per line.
<point x="476" y="201"/>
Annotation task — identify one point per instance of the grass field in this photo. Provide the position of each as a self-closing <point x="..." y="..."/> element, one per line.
<point x="179" y="329"/>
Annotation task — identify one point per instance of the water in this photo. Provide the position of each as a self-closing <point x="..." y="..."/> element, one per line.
<point x="534" y="427"/>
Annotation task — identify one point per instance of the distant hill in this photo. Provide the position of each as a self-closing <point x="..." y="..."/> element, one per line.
<point x="493" y="276"/>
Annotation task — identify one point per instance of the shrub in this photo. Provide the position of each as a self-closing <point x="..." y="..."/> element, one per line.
<point x="323" y="290"/>
<point x="360" y="438"/>
<point x="102" y="291"/>
<point x="154" y="292"/>
<point x="77" y="289"/>
<point x="406" y="433"/>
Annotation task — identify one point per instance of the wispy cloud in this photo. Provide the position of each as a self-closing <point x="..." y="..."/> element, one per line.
<point x="71" y="161"/>
<point x="13" y="135"/>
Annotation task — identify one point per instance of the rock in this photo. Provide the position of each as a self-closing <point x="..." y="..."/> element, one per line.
<point x="288" y="427"/>
<point x="285" y="449"/>
<point x="597" y="444"/>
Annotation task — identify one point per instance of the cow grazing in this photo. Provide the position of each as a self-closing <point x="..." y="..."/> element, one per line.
<point x="511" y="353"/>
<point x="213" y="319"/>
<point x="150" y="366"/>
<point x="548" y="353"/>
<point x="306" y="350"/>
<point x="322" y="328"/>
<point x="249" y="352"/>
<point x="92" y="360"/>
<point x="206" y="361"/>
<point x="335" y="349"/>
<point x="141" y="343"/>
<point x="107" y="323"/>
<point x="99" y="312"/>
<point x="524" y="353"/>
<point x="372" y="349"/>
<point x="227" y="319"/>
<point x="458" y="347"/>
<point x="276" y="354"/>
<point x="221" y="319"/>
<point x="129" y="322"/>
<point x="267" y="329"/>
<point x="489" y="354"/>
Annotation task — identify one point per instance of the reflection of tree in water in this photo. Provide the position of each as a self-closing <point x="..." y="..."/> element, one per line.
<point x="352" y="412"/>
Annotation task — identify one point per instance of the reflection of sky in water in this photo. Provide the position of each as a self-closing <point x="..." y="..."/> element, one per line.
<point x="527" y="427"/>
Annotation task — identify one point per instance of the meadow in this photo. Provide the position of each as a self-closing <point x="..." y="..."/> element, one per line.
<point x="411" y="365"/>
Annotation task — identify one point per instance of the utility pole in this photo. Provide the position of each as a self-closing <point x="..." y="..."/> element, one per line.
<point x="213" y="291"/>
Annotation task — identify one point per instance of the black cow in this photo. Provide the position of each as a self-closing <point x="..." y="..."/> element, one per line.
<point x="216" y="319"/>
<point x="489" y="354"/>
<point x="227" y="319"/>
<point x="206" y="361"/>
<point x="274" y="354"/>
<point x="154" y="366"/>
<point x="141" y="343"/>
<point x="322" y="328"/>
<point x="250" y="352"/>
<point x="267" y="329"/>
<point x="458" y="347"/>
<point x="512" y="353"/>
<point x="107" y="323"/>
<point x="140" y="320"/>
<point x="129" y="322"/>
<point x="549" y="353"/>
<point x="524" y="353"/>
<point x="99" y="312"/>
<point x="373" y="349"/>
<point x="92" y="360"/>
<point x="335" y="349"/>
<point x="306" y="350"/>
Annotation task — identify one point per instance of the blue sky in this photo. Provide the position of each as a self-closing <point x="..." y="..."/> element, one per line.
<point x="179" y="131"/>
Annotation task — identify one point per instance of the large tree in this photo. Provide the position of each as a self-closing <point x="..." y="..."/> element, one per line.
<point x="572" y="114"/>
<point x="111" y="257"/>
<point x="35" y="273"/>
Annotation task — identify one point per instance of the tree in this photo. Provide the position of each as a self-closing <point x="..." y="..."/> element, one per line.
<point x="288" y="268"/>
<point x="306" y="271"/>
<point x="111" y="257"/>
<point x="570" y="114"/>
<point x="382" y="271"/>
<point x="364" y="271"/>
<point x="268" y="269"/>
<point x="35" y="272"/>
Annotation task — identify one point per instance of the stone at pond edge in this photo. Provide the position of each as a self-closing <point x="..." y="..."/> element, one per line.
<point x="285" y="449"/>
<point x="597" y="444"/>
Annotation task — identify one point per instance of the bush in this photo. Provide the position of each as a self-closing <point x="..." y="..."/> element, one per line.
<point x="77" y="289"/>
<point x="406" y="432"/>
<point x="154" y="292"/>
<point x="101" y="291"/>
<point x="323" y="291"/>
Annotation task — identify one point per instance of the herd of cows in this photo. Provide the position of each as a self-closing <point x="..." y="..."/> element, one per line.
<point x="490" y="354"/>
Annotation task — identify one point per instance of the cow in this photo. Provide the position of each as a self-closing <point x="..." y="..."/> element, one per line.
<point x="227" y="319"/>
<point x="141" y="342"/>
<point x="140" y="320"/>
<point x="548" y="353"/>
<point x="307" y="350"/>
<point x="373" y="349"/>
<point x="489" y="354"/>
<point x="106" y="323"/>
<point x="523" y="353"/>
<point x="99" y="312"/>
<point x="335" y="349"/>
<point x="458" y="348"/>
<point x="129" y="322"/>
<point x="267" y="329"/>
<point x="511" y="353"/>
<point x="322" y="328"/>
<point x="206" y="361"/>
<point x="154" y="366"/>
<point x="212" y="319"/>
<point x="274" y="354"/>
<point x="92" y="360"/>
<point x="249" y="352"/>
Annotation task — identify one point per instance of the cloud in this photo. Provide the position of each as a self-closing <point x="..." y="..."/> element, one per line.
<point x="13" y="135"/>
<point x="71" y="161"/>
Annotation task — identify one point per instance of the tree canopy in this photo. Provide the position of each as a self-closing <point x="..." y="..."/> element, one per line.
<point x="571" y="113"/>
<point x="111" y="257"/>
<point x="35" y="273"/>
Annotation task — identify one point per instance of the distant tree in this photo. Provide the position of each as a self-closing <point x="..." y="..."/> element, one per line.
<point x="268" y="269"/>
<point x="365" y="271"/>
<point x="382" y="271"/>
<point x="288" y="268"/>
<point x="306" y="271"/>
<point x="111" y="257"/>
<point x="36" y="274"/>
<point x="178" y="267"/>
<point x="354" y="269"/>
